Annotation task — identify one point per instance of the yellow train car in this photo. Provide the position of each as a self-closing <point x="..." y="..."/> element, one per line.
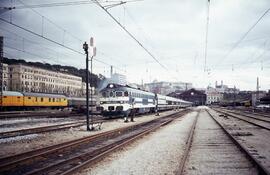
<point x="44" y="100"/>
<point x="11" y="99"/>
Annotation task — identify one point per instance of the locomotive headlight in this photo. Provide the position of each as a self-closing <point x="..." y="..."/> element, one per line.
<point x="101" y="102"/>
<point x="121" y="102"/>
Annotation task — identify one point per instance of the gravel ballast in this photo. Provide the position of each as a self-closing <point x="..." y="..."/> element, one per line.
<point x="156" y="153"/>
<point x="27" y="143"/>
<point x="213" y="152"/>
<point x="253" y="138"/>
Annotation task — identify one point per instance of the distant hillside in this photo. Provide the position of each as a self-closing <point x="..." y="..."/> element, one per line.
<point x="56" y="67"/>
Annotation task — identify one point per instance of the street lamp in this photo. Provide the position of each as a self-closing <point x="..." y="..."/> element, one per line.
<point x="85" y="48"/>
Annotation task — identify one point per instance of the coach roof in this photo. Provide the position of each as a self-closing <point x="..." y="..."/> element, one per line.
<point x="43" y="95"/>
<point x="12" y="93"/>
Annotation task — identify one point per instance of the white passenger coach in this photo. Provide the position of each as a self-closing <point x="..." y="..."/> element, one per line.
<point x="125" y="100"/>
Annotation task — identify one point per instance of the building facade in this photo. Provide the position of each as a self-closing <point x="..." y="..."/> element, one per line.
<point x="166" y="88"/>
<point x="213" y="96"/>
<point x="25" y="78"/>
<point x="118" y="79"/>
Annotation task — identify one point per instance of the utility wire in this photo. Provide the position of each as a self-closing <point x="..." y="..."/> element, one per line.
<point x="59" y="4"/>
<point x="53" y="41"/>
<point x="245" y="34"/>
<point x="131" y="35"/>
<point x="43" y="17"/>
<point x="206" y="35"/>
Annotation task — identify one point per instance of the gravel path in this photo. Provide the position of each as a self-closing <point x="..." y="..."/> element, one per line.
<point x="213" y="152"/>
<point x="157" y="153"/>
<point x="22" y="144"/>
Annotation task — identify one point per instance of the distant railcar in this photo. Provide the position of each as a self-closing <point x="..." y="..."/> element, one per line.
<point x="44" y="100"/>
<point x="12" y="100"/>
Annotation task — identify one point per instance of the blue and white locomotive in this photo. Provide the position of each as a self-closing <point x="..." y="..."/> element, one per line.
<point x="125" y="100"/>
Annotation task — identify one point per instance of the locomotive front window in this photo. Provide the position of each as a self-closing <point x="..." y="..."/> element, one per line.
<point x="126" y="93"/>
<point x="103" y="94"/>
<point x="111" y="94"/>
<point x="119" y="94"/>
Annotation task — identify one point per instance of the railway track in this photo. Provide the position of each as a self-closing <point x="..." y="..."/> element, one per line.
<point x="43" y="129"/>
<point x="262" y="169"/>
<point x="38" y="115"/>
<point x="262" y="123"/>
<point x="247" y="114"/>
<point x="72" y="156"/>
<point x="210" y="149"/>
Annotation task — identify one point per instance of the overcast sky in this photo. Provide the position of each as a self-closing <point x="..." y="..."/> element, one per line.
<point x="173" y="31"/>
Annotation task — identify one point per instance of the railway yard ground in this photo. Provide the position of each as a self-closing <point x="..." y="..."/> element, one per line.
<point x="199" y="140"/>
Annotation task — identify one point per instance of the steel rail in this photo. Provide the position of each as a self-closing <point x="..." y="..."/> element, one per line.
<point x="37" y="115"/>
<point x="247" y="115"/>
<point x="239" y="118"/>
<point x="188" y="145"/>
<point x="100" y="153"/>
<point x="261" y="168"/>
<point x="42" y="129"/>
<point x="8" y="163"/>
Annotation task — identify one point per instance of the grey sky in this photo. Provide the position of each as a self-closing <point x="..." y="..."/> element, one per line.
<point x="174" y="31"/>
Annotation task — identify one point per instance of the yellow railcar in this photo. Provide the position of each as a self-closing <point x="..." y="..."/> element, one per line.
<point x="44" y="100"/>
<point x="12" y="99"/>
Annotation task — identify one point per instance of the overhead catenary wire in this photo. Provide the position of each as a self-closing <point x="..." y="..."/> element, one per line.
<point x="131" y="35"/>
<point x="53" y="41"/>
<point x="244" y="35"/>
<point x="206" y="35"/>
<point x="60" y="4"/>
<point x="64" y="30"/>
<point x="43" y="17"/>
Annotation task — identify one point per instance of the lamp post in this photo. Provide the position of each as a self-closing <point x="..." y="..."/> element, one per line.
<point x="85" y="48"/>
<point x="1" y="70"/>
<point x="93" y="53"/>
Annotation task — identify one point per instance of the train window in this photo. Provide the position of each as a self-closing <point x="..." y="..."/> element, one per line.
<point x="29" y="98"/>
<point x="18" y="97"/>
<point x="53" y="99"/>
<point x="111" y="94"/>
<point x="36" y="99"/>
<point x="49" y="99"/>
<point x="126" y="93"/>
<point x="41" y="99"/>
<point x="119" y="94"/>
<point x="5" y="96"/>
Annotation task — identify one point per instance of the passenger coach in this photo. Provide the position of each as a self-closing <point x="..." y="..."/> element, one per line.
<point x="124" y="100"/>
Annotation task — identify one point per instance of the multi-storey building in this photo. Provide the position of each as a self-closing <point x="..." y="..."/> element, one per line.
<point x="167" y="87"/>
<point x="118" y="79"/>
<point x="213" y="95"/>
<point x="25" y="78"/>
<point x="5" y="77"/>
